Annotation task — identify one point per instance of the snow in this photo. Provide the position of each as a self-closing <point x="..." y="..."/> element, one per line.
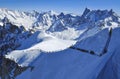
<point x="23" y="57"/>
<point x="53" y="44"/>
<point x="67" y="64"/>
<point x="48" y="44"/>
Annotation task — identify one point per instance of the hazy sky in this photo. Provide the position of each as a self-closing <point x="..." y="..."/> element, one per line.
<point x="70" y="6"/>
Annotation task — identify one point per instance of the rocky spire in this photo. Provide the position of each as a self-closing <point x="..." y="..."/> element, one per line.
<point x="111" y="12"/>
<point x="86" y="11"/>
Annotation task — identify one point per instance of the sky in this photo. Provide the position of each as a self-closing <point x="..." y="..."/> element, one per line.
<point x="68" y="6"/>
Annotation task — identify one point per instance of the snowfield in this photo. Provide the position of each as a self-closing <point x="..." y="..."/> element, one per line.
<point x="67" y="64"/>
<point x="48" y="44"/>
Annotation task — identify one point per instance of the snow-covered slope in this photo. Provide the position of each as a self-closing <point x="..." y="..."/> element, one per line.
<point x="45" y="43"/>
<point x="112" y="68"/>
<point x="70" y="63"/>
<point x="49" y="48"/>
<point x="67" y="64"/>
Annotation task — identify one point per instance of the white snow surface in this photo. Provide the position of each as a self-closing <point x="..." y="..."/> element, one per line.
<point x="45" y="43"/>
<point x="53" y="44"/>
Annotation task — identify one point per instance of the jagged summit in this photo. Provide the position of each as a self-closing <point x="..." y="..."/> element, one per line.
<point x="98" y="14"/>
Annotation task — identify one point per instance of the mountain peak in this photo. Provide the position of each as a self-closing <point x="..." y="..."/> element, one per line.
<point x="86" y="11"/>
<point x="111" y="12"/>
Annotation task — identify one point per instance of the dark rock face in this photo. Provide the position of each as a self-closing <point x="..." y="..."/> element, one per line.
<point x="9" y="69"/>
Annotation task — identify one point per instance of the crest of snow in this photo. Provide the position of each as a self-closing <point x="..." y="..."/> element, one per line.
<point x="49" y="44"/>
